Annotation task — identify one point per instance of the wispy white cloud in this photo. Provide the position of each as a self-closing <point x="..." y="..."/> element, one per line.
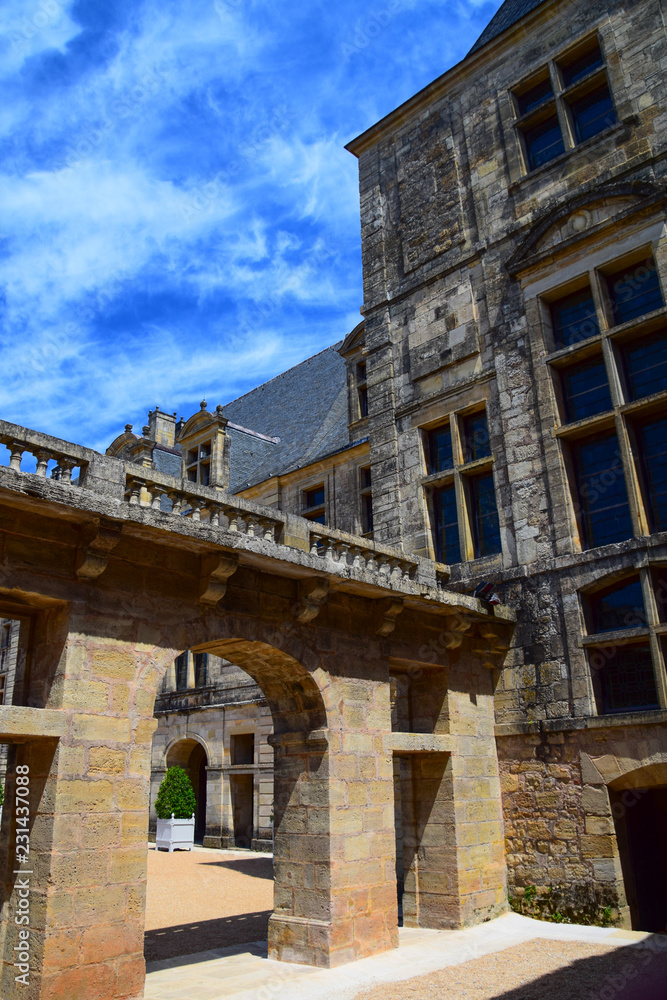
<point x="177" y="212"/>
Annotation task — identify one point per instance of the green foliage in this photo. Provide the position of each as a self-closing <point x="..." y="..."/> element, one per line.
<point x="175" y="795"/>
<point x="2" y="795"/>
<point x="574" y="905"/>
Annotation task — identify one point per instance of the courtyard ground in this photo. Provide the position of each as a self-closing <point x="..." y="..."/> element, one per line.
<point x="207" y="914"/>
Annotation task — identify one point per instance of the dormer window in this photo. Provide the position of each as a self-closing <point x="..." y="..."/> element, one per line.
<point x="198" y="467"/>
<point x="362" y="390"/>
<point x="314" y="504"/>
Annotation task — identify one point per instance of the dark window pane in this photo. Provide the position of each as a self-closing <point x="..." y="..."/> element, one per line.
<point x="316" y="518"/>
<point x="602" y="495"/>
<point x="592" y="113"/>
<point x="646" y="365"/>
<point x="635" y="291"/>
<point x="543" y="143"/>
<point x="586" y="390"/>
<point x="182" y="672"/>
<point x="653" y="453"/>
<point x="484" y="516"/>
<point x="534" y="97"/>
<point x="440" y="449"/>
<point x="660" y="590"/>
<point x="201" y="665"/>
<point x="620" y="606"/>
<point x="363" y="401"/>
<point x="204" y="475"/>
<point x="476" y="435"/>
<point x="365" y="478"/>
<point x="447" y="545"/>
<point x="315" y="498"/>
<point x="581" y="67"/>
<point x="367" y="513"/>
<point x="242" y="748"/>
<point x="574" y="318"/>
<point x="624" y="679"/>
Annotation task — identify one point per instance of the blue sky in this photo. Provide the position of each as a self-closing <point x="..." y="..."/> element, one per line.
<point x="178" y="216"/>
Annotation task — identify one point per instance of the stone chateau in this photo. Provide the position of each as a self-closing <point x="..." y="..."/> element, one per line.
<point x="293" y="570"/>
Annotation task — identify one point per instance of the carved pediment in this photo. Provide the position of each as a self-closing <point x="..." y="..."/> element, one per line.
<point x="123" y="446"/>
<point x="354" y="340"/>
<point x="582" y="217"/>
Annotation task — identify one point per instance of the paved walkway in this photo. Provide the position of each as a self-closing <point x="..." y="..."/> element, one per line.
<point x="244" y="972"/>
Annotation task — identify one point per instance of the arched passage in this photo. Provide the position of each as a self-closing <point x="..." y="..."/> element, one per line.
<point x="192" y="757"/>
<point x="639" y="807"/>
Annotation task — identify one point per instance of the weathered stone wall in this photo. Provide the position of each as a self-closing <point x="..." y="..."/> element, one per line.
<point x="458" y="245"/>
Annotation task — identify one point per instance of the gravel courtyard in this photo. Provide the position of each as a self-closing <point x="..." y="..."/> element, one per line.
<point x="206" y="901"/>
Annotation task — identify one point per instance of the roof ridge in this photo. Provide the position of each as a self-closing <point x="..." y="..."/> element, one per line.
<point x="508" y="14"/>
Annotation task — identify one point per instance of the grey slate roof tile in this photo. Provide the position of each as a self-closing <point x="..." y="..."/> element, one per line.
<point x="510" y="12"/>
<point x="306" y="407"/>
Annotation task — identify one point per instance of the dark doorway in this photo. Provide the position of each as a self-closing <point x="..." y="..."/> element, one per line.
<point x="641" y="835"/>
<point x="242" y="808"/>
<point x="197" y="768"/>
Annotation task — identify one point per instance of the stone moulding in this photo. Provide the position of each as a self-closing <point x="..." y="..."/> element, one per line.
<point x="19" y="723"/>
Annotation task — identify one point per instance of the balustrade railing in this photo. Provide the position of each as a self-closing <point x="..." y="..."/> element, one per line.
<point x="66" y="458"/>
<point x="359" y="553"/>
<point x="200" y="505"/>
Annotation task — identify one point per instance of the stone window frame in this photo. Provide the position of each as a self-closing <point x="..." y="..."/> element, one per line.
<point x="624" y="413"/>
<point x="195" y="467"/>
<point x="511" y="120"/>
<point x="460" y="474"/>
<point x="654" y="632"/>
<point x="314" y="511"/>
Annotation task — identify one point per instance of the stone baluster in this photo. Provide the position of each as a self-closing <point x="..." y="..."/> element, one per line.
<point x="267" y="529"/>
<point x="42" y="457"/>
<point x="66" y="465"/>
<point x="157" y="492"/>
<point x="342" y="553"/>
<point x="214" y="512"/>
<point x="195" y="505"/>
<point x="330" y="549"/>
<point x="358" y="557"/>
<point x="177" y="500"/>
<point x="134" y="488"/>
<point x="15" y="455"/>
<point x="252" y="526"/>
<point x="315" y="541"/>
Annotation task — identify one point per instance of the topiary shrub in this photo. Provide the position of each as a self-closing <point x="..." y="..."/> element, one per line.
<point x="175" y="795"/>
<point x="2" y="796"/>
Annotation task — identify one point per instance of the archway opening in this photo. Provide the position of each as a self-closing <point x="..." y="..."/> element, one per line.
<point x="639" y="807"/>
<point x="191" y="756"/>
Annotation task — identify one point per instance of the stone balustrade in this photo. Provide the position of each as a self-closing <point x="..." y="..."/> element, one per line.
<point x="44" y="450"/>
<point x="150" y="489"/>
<point x="105" y="482"/>
<point x="360" y="553"/>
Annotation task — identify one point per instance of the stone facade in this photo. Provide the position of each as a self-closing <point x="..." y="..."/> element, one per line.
<point x="469" y="250"/>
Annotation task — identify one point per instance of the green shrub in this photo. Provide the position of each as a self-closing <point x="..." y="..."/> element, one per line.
<point x="175" y="795"/>
<point x="2" y="795"/>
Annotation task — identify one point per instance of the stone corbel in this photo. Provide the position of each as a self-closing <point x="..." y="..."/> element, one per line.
<point x="215" y="571"/>
<point x="313" y="594"/>
<point x="97" y="541"/>
<point x="491" y="644"/>
<point x="456" y="631"/>
<point x="388" y="611"/>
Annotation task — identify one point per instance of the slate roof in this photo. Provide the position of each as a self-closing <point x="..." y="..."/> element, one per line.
<point x="306" y="407"/>
<point x="510" y="12"/>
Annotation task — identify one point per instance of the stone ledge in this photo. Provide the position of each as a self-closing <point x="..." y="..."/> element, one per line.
<point x="19" y="723"/>
<point x="419" y="743"/>
<point x="652" y="718"/>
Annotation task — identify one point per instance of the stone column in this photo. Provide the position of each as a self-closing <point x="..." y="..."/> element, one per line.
<point x="89" y="804"/>
<point x="213" y="836"/>
<point x="227" y="831"/>
<point x="335" y="861"/>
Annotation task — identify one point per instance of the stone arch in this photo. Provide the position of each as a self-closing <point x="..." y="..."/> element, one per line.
<point x="638" y="799"/>
<point x="188" y="739"/>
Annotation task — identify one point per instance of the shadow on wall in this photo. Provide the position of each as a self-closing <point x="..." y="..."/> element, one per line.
<point x="204" y="935"/>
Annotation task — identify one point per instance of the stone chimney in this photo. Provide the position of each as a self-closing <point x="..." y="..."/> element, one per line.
<point x="162" y="427"/>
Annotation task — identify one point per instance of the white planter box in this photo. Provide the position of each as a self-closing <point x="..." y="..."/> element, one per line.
<point x="175" y="834"/>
